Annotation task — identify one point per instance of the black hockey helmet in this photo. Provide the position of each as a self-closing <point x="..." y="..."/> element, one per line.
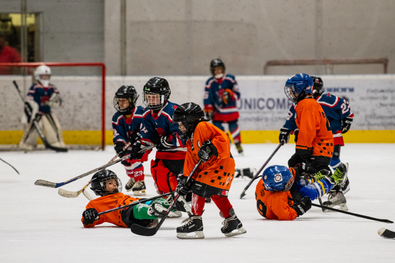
<point x="216" y="63"/>
<point x="318" y="86"/>
<point x="157" y="85"/>
<point x="189" y="114"/>
<point x="99" y="179"/>
<point x="129" y="93"/>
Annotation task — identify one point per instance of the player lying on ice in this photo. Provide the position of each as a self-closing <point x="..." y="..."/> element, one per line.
<point x="213" y="177"/>
<point x="106" y="184"/>
<point x="280" y="183"/>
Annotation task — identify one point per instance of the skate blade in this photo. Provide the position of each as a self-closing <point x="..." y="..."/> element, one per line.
<point x="192" y="235"/>
<point x="139" y="193"/>
<point x="236" y="232"/>
<point x="342" y="207"/>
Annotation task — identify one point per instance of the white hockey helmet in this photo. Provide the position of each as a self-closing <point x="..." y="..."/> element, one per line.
<point x="43" y="70"/>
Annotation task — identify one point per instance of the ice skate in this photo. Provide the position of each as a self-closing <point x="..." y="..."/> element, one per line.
<point x="129" y="184"/>
<point x="336" y="199"/>
<point x="339" y="175"/>
<point x="139" y="188"/>
<point x="191" y="229"/>
<point x="345" y="184"/>
<point x="239" y="148"/>
<point x="232" y="225"/>
<point x="159" y="209"/>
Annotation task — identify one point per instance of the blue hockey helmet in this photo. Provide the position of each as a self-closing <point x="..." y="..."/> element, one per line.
<point x="298" y="86"/>
<point x="277" y="178"/>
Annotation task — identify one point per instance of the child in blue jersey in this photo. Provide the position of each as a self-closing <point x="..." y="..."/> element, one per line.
<point x="221" y="94"/>
<point x="41" y="99"/>
<point x="158" y="129"/>
<point x="126" y="124"/>
<point x="340" y="116"/>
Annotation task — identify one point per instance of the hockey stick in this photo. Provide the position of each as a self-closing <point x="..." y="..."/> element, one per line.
<point x="348" y="213"/>
<point x="143" y="200"/>
<point x="56" y="185"/>
<point x="150" y="231"/>
<point x="386" y="233"/>
<point x="11" y="166"/>
<point x="260" y="170"/>
<point x="37" y="126"/>
<point x="72" y="194"/>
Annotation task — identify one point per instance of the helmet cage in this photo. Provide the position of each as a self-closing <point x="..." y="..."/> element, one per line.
<point x="129" y="93"/>
<point x="156" y="85"/>
<point x="42" y="70"/>
<point x="99" y="180"/>
<point x="216" y="63"/>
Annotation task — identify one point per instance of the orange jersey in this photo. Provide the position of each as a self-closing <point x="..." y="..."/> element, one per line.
<point x="314" y="128"/>
<point x="107" y="202"/>
<point x="217" y="171"/>
<point x="274" y="205"/>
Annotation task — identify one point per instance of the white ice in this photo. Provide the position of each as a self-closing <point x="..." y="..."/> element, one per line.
<point x="38" y="225"/>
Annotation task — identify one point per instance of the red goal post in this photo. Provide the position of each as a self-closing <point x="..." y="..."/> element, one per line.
<point x="82" y="118"/>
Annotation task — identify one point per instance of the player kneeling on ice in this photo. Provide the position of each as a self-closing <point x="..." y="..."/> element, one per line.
<point x="213" y="177"/>
<point x="107" y="185"/>
<point x="279" y="184"/>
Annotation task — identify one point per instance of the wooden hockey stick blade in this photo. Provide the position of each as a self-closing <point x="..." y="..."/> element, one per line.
<point x="45" y="183"/>
<point x="72" y="194"/>
<point x="386" y="233"/>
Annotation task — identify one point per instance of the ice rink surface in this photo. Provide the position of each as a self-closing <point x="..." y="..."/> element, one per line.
<point x="38" y="225"/>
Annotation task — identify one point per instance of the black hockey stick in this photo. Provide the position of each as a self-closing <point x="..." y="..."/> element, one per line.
<point x="150" y="231"/>
<point x="11" y="166"/>
<point x="348" y="213"/>
<point x="143" y="200"/>
<point x="37" y="126"/>
<point x="56" y="185"/>
<point x="260" y="170"/>
<point x="386" y="233"/>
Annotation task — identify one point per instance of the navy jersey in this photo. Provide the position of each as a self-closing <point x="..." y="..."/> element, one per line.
<point x="159" y="124"/>
<point x="124" y="126"/>
<point x="224" y="111"/>
<point x="41" y="95"/>
<point x="336" y="109"/>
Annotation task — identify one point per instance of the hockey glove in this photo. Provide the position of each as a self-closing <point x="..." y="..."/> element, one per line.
<point x="119" y="149"/>
<point x="346" y="124"/>
<point x="303" y="206"/>
<point x="296" y="133"/>
<point x="284" y="135"/>
<point x="208" y="114"/>
<point x="184" y="187"/>
<point x="89" y="216"/>
<point x="136" y="136"/>
<point x="134" y="152"/>
<point x="207" y="150"/>
<point x="165" y="142"/>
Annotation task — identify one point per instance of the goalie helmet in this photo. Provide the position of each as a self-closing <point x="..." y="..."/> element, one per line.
<point x="129" y="93"/>
<point x="99" y="179"/>
<point x="277" y="178"/>
<point x="216" y="63"/>
<point x="298" y="86"/>
<point x="318" y="86"/>
<point x="40" y="71"/>
<point x="160" y="86"/>
<point x="189" y="114"/>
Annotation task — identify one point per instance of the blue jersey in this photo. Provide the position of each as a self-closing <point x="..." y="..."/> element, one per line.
<point x="336" y="109"/>
<point x="159" y="124"/>
<point x="225" y="111"/>
<point x="41" y="95"/>
<point x="125" y="125"/>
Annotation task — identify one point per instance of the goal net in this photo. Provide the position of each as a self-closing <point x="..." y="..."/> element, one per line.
<point x="82" y="114"/>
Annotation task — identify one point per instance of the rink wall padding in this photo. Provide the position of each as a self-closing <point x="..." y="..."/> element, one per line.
<point x="263" y="105"/>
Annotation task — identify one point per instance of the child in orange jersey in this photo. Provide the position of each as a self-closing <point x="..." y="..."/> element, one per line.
<point x="279" y="183"/>
<point x="315" y="140"/>
<point x="106" y="184"/>
<point x="213" y="177"/>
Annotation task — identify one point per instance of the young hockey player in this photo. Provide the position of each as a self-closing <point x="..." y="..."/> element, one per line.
<point x="158" y="129"/>
<point x="214" y="176"/>
<point x="41" y="99"/>
<point x="279" y="183"/>
<point x="340" y="117"/>
<point x="107" y="185"/>
<point x="221" y="94"/>
<point x="126" y="124"/>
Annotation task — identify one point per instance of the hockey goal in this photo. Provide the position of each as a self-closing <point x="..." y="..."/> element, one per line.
<point x="82" y="114"/>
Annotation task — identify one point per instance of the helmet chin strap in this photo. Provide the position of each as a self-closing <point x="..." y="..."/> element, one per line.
<point x="44" y="83"/>
<point x="218" y="76"/>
